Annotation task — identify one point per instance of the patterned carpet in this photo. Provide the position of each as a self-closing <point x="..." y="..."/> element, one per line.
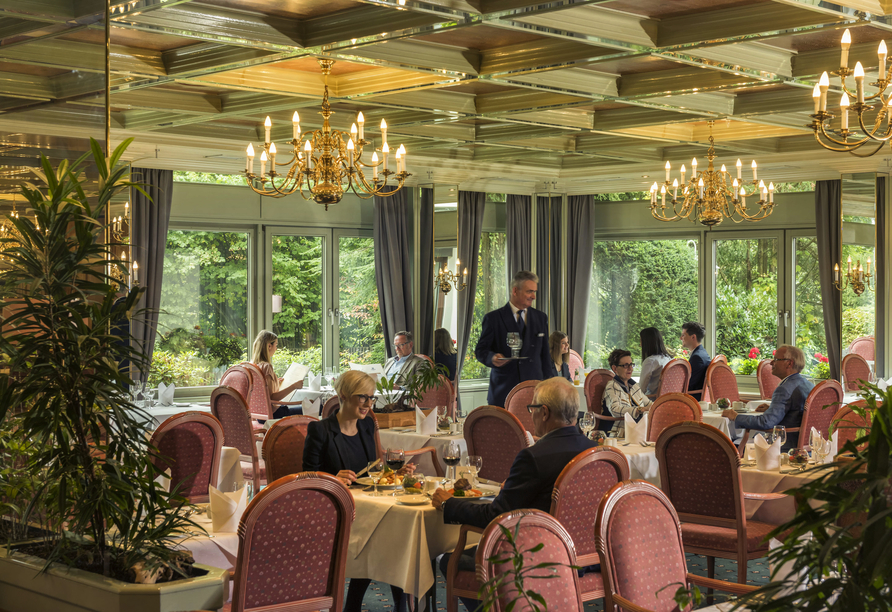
<point x="377" y="598"/>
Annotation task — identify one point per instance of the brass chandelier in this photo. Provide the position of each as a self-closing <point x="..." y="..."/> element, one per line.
<point x="327" y="162"/>
<point x="446" y="279"/>
<point x="855" y="276"/>
<point x="879" y="132"/>
<point x="710" y="196"/>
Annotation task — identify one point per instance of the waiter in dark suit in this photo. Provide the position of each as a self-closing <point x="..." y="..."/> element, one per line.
<point x="517" y="315"/>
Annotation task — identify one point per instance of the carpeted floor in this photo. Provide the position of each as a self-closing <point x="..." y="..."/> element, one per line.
<point x="377" y="598"/>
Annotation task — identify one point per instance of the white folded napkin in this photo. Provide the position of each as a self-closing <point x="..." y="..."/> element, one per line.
<point x="884" y="384"/>
<point x="227" y="508"/>
<point x="767" y="455"/>
<point x="425" y="423"/>
<point x="311" y="406"/>
<point x="315" y="382"/>
<point x="164" y="480"/>
<point x="165" y="394"/>
<point x="832" y="445"/>
<point x="636" y="432"/>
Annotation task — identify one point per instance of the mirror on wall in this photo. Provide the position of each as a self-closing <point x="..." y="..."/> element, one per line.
<point x="445" y="251"/>
<point x="858" y="251"/>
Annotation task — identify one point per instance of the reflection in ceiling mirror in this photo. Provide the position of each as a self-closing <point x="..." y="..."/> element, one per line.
<point x="858" y="267"/>
<point x="445" y="252"/>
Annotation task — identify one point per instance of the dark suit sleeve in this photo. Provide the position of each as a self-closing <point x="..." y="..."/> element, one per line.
<point x="519" y="492"/>
<point x="548" y="370"/>
<point x="487" y="342"/>
<point x="313" y="447"/>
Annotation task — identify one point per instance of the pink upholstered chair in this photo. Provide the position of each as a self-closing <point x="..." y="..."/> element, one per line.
<point x="575" y="363"/>
<point x="441" y="395"/>
<point x="532" y="527"/>
<point x="706" y="393"/>
<point x="700" y="474"/>
<point x="768" y="382"/>
<point x="283" y="446"/>
<point x="821" y="406"/>
<point x="848" y="422"/>
<point x="230" y="409"/>
<point x="854" y="370"/>
<point x="720" y="359"/>
<point x="722" y="382"/>
<point x="189" y="444"/>
<point x="864" y="346"/>
<point x="517" y="401"/>
<point x="292" y="548"/>
<point x="643" y="562"/>
<point x="674" y="377"/>
<point x="496" y="435"/>
<point x="668" y="409"/>
<point x="260" y="404"/>
<point x="241" y="379"/>
<point x="595" y="381"/>
<point x="330" y="406"/>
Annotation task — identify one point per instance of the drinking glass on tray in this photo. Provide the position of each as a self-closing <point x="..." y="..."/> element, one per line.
<point x="514" y="343"/>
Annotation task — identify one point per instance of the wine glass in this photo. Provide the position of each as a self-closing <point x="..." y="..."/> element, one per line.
<point x="327" y="372"/>
<point x="514" y="343"/>
<point x="451" y="459"/>
<point x="149" y="396"/>
<point x="780" y="433"/>
<point x="375" y="473"/>
<point x="475" y="462"/>
<point x="588" y="423"/>
<point x="820" y="449"/>
<point x="396" y="459"/>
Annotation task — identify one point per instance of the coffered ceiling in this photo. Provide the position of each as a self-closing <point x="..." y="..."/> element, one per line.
<point x="511" y="95"/>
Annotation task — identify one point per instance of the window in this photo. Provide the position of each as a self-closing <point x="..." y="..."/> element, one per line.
<point x="203" y="324"/>
<point x="638" y="284"/>
<point x="361" y="336"/>
<point x="492" y="293"/>
<point x="297" y="277"/>
<point x="808" y="309"/>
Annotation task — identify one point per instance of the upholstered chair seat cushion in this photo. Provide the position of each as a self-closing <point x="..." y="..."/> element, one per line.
<point x="725" y="538"/>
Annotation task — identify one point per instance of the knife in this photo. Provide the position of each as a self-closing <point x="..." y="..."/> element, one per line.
<point x="368" y="467"/>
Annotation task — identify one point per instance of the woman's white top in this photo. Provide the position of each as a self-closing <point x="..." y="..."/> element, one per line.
<point x="650" y="373"/>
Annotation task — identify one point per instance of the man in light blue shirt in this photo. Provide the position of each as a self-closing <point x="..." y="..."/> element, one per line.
<point x="404" y="364"/>
<point x="787" y="401"/>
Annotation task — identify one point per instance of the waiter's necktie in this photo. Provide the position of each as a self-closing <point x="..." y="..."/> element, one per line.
<point x="520" y="324"/>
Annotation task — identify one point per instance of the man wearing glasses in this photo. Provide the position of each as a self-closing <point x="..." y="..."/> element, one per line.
<point x="403" y="365"/>
<point x="787" y="401"/>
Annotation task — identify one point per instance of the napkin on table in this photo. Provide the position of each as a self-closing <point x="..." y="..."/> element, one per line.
<point x="636" y="432"/>
<point x="767" y="455"/>
<point x="315" y="382"/>
<point x="311" y="406"/>
<point x="833" y="443"/>
<point x="425" y="424"/>
<point x="227" y="508"/>
<point x="165" y="394"/>
<point x="884" y="384"/>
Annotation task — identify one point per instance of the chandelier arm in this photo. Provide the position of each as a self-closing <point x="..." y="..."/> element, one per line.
<point x="843" y="148"/>
<point x="870" y="133"/>
<point x="874" y="152"/>
<point x="843" y="143"/>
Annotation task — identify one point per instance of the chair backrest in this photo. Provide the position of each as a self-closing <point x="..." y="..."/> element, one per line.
<point x="496" y="435"/>
<point x="330" y="406"/>
<point x="283" y="446"/>
<point x="240" y="379"/>
<point x="864" y="346"/>
<point x="675" y="376"/>
<point x="848" y="422"/>
<point x="640" y="557"/>
<point x="575" y="363"/>
<point x="189" y="444"/>
<point x="230" y="409"/>
<point x="700" y="474"/>
<point x="720" y="359"/>
<point x="531" y="528"/>
<point x="668" y="409"/>
<point x="820" y="407"/>
<point x="854" y="370"/>
<point x="443" y="394"/>
<point x="581" y="484"/>
<point x="595" y="382"/>
<point x="292" y="545"/>
<point x="258" y="403"/>
<point x="768" y="382"/>
<point x="518" y="399"/>
<point x="722" y="382"/>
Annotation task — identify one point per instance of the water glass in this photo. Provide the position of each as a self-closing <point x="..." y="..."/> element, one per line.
<point x="475" y="462"/>
<point x="247" y="485"/>
<point x="149" y="395"/>
<point x="780" y="433"/>
<point x="375" y="474"/>
<point x="588" y="423"/>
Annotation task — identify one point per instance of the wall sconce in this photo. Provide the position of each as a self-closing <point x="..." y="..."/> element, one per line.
<point x="277" y="304"/>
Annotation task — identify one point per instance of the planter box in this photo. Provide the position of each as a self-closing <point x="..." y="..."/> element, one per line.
<point x="397" y="419"/>
<point x="23" y="588"/>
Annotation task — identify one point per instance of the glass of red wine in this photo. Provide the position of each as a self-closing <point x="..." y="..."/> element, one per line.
<point x="452" y="458"/>
<point x="396" y="459"/>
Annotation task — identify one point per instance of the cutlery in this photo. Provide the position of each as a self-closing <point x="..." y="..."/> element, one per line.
<point x="368" y="467"/>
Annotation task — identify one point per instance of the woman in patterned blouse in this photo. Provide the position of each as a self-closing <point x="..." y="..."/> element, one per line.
<point x="622" y="395"/>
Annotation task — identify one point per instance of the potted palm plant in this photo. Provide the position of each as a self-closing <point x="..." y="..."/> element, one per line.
<point x="106" y="523"/>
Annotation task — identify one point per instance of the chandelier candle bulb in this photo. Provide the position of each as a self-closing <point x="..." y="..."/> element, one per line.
<point x="384" y="151"/>
<point x="263" y="160"/>
<point x="295" y="125"/>
<point x="743" y="197"/>
<point x="845" y="43"/>
<point x="402" y="153"/>
<point x="859" y="82"/>
<point x="667" y="171"/>
<point x="249" y="162"/>
<point x="836" y="272"/>
<point x="272" y="158"/>
<point x="844" y="111"/>
<point x="694" y="168"/>
<point x="824" y="84"/>
<point x="881" y="53"/>
<point x="663" y="195"/>
<point x="465" y="274"/>
<point x="361" y="121"/>
<point x="868" y="265"/>
<point x="457" y="265"/>
<point x="127" y="209"/>
<point x="353" y="132"/>
<point x="135" y="272"/>
<point x="267" y="127"/>
<point x="384" y="133"/>
<point x="675" y="189"/>
<point x="816" y="96"/>
<point x="771" y="193"/>
<point x="350" y="152"/>
<point x="755" y="175"/>
<point x="724" y="170"/>
<point x="739" y="169"/>
<point x="683" y="170"/>
<point x="700" y="185"/>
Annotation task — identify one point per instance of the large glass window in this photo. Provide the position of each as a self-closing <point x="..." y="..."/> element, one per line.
<point x="360" y="331"/>
<point x="492" y="293"/>
<point x="638" y="284"/>
<point x="808" y="309"/>
<point x="746" y="301"/>
<point x="203" y="323"/>
<point x="297" y="277"/>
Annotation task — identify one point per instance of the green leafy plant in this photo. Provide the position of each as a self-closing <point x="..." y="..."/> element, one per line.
<point x="838" y="546"/>
<point x="67" y="343"/>
<point x="425" y="377"/>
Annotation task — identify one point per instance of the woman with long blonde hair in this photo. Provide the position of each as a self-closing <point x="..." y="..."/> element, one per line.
<point x="265" y="345"/>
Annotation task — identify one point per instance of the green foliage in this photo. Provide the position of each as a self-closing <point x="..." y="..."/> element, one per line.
<point x="89" y="452"/>
<point x="492" y="293"/>
<point x="17" y="485"/>
<point x="838" y="546"/>
<point x="425" y="377"/>
<point x="184" y="176"/>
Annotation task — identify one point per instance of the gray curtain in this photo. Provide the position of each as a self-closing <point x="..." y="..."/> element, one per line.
<point x="880" y="271"/>
<point x="471" y="205"/>
<point x="828" y="204"/>
<point x="518" y="224"/>
<point x="424" y="335"/>
<point x="548" y="257"/>
<point x="580" y="242"/>
<point x="392" y="272"/>
<point x="151" y="216"/>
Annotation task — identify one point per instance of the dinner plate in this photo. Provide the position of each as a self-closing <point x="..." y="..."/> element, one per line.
<point x="367" y="482"/>
<point x="413" y="500"/>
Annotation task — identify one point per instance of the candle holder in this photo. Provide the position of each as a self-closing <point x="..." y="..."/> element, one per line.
<point x="855" y="277"/>
<point x="446" y="279"/>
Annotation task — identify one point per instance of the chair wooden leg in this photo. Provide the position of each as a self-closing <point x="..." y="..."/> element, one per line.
<point x="741" y="568"/>
<point x="710" y="572"/>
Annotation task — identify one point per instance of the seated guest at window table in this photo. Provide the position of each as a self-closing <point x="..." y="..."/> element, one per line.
<point x="444" y="351"/>
<point x="405" y="363"/>
<point x="560" y="354"/>
<point x="622" y="395"/>
<point x="655" y="356"/>
<point x="265" y="345"/>
<point x="692" y="334"/>
<point x="787" y="401"/>
<point x="344" y="444"/>
<point x="535" y="469"/>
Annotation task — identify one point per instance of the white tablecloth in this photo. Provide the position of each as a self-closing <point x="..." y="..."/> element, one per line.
<point x="722" y="424"/>
<point x="411" y="441"/>
<point x="643" y="463"/>
<point x="159" y="414"/>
